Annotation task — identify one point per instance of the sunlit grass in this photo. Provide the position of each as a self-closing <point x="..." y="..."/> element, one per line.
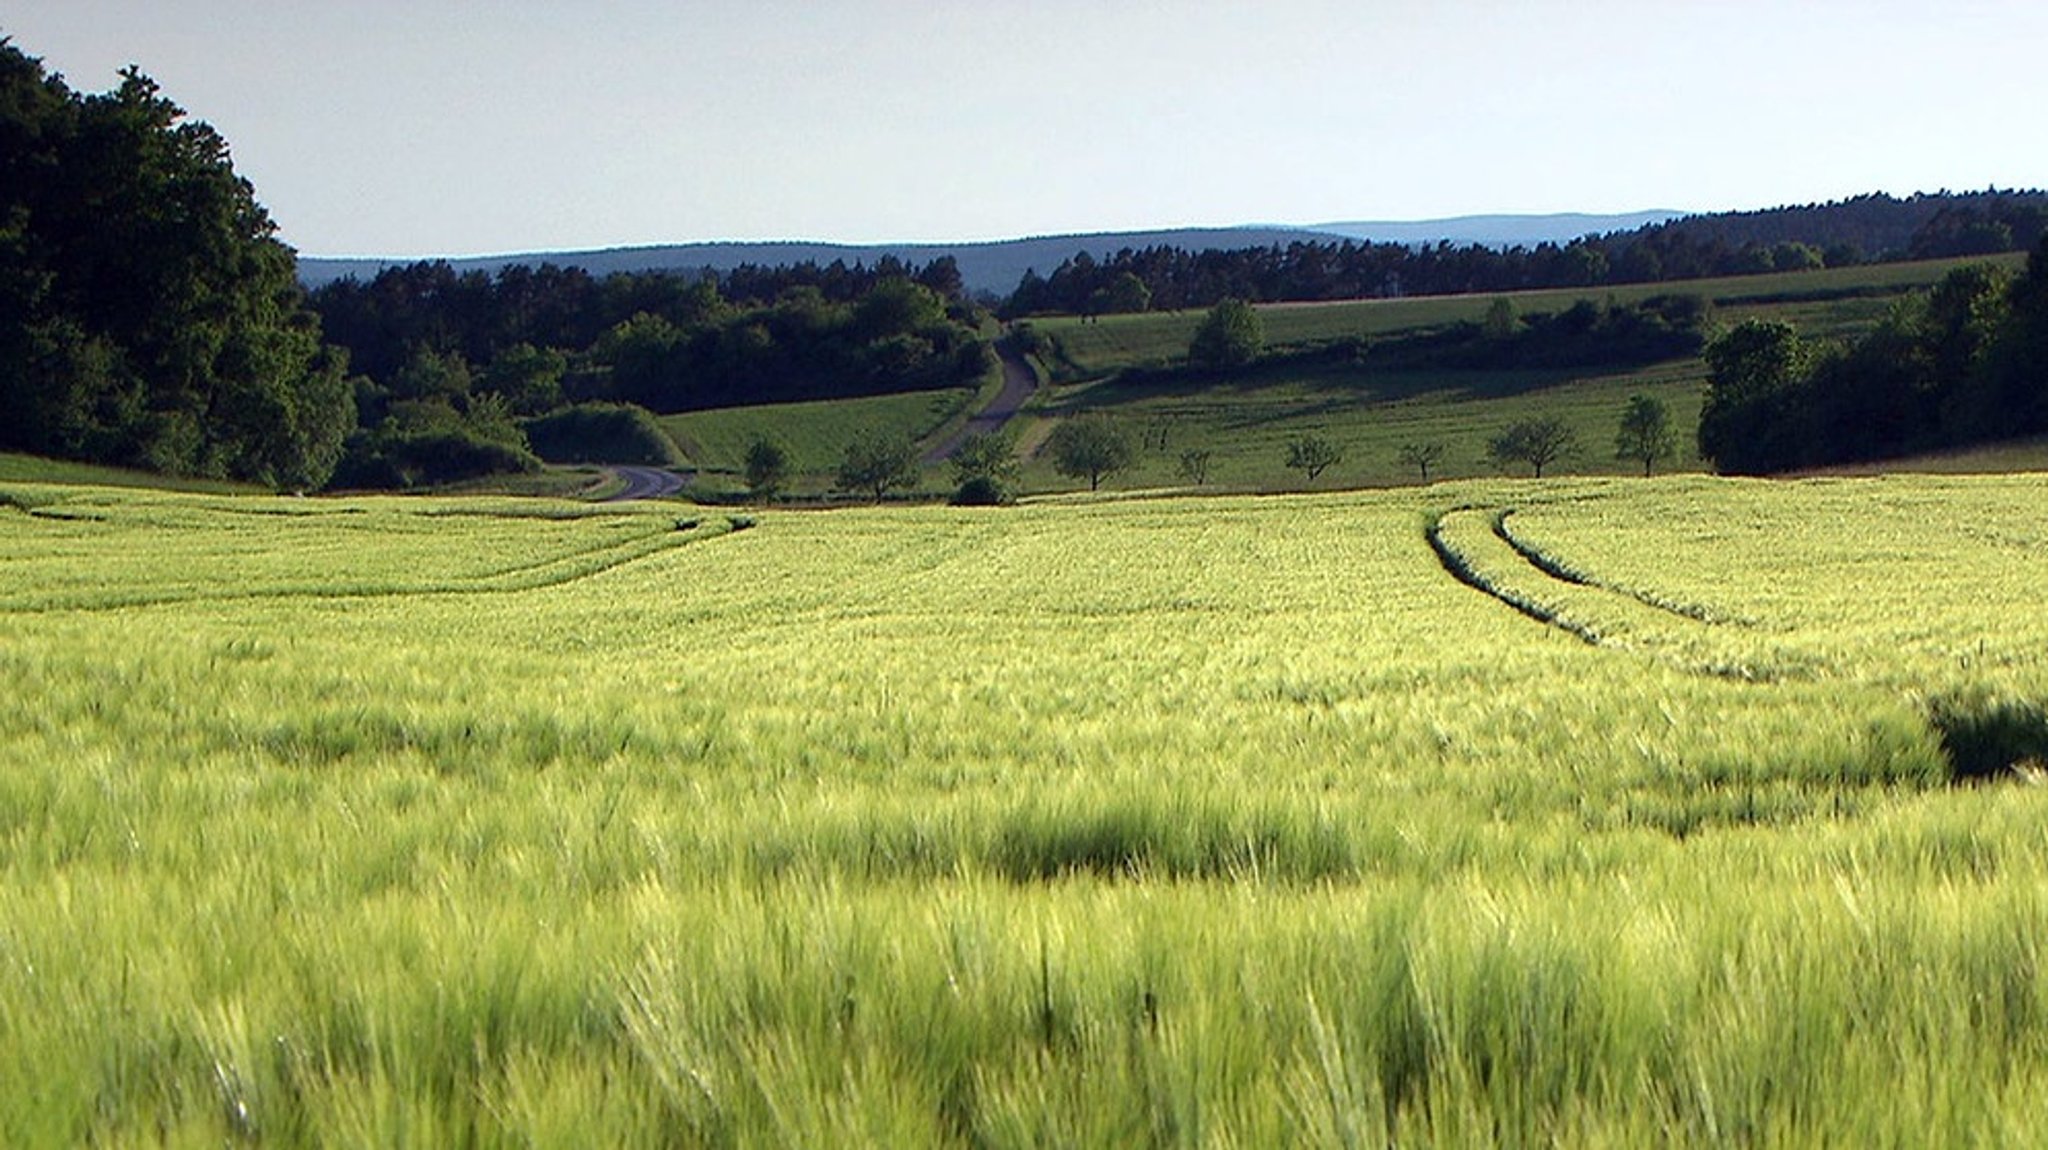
<point x="1177" y="821"/>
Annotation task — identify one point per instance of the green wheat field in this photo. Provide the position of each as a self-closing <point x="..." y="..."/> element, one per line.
<point x="1594" y="812"/>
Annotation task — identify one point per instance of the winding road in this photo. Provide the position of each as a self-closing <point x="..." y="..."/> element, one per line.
<point x="645" y="483"/>
<point x="1019" y="384"/>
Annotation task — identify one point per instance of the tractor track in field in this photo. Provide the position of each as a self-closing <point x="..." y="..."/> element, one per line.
<point x="558" y="571"/>
<point x="1540" y="587"/>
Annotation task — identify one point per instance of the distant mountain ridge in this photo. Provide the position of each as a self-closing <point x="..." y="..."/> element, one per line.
<point x="991" y="266"/>
<point x="997" y="265"/>
<point x="1497" y="231"/>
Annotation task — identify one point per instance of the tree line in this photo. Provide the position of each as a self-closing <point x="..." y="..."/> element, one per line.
<point x="1964" y="362"/>
<point x="1860" y="230"/>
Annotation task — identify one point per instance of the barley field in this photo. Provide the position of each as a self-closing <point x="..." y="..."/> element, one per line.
<point x="1594" y="812"/>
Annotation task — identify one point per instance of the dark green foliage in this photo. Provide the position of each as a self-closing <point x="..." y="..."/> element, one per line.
<point x="529" y="377"/>
<point x="668" y="342"/>
<point x="1965" y="363"/>
<point x="1853" y="231"/>
<point x="1194" y="466"/>
<point x="981" y="491"/>
<point x="1645" y="435"/>
<point x="1538" y="442"/>
<point x="767" y="468"/>
<point x="1229" y="336"/>
<point x="602" y="433"/>
<point x="1583" y="335"/>
<point x="991" y="456"/>
<point x="1312" y="455"/>
<point x="1985" y="736"/>
<point x="148" y="315"/>
<point x="1753" y="413"/>
<point x="393" y="456"/>
<point x="1090" y="448"/>
<point x="874" y="463"/>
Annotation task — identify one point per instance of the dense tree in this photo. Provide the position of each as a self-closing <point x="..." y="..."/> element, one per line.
<point x="1752" y="419"/>
<point x="1538" y="441"/>
<point x="1729" y="243"/>
<point x="1089" y="447"/>
<point x="874" y="463"/>
<point x="148" y="314"/>
<point x="1645" y="435"/>
<point x="529" y="377"/>
<point x="1962" y="363"/>
<point x="1312" y="455"/>
<point x="990" y="456"/>
<point x="985" y="468"/>
<point x="767" y="468"/>
<point x="1229" y="336"/>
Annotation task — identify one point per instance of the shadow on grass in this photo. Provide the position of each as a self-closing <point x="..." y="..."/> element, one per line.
<point x="1988" y="737"/>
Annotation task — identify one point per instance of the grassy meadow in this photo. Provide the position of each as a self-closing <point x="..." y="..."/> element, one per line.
<point x="1224" y="821"/>
<point x="1370" y="413"/>
<point x="1827" y="303"/>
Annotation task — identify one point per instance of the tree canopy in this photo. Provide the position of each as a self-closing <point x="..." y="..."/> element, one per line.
<point x="1091" y="448"/>
<point x="1537" y="441"/>
<point x="1229" y="336"/>
<point x="1645" y="435"/>
<point x="875" y="462"/>
<point x="1964" y="362"/>
<point x="148" y="314"/>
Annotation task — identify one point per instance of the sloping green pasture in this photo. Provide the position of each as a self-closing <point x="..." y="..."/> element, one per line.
<point x="1828" y="302"/>
<point x="815" y="433"/>
<point x="1246" y="423"/>
<point x="1586" y="813"/>
<point x="1245" y="420"/>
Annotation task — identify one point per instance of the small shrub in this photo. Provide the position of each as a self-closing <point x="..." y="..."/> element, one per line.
<point x="981" y="491"/>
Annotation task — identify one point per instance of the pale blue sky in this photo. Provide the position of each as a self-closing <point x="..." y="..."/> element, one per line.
<point x="432" y="127"/>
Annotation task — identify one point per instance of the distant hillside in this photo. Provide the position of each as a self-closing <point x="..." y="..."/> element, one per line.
<point x="1878" y="226"/>
<point x="1533" y="250"/>
<point x="1496" y="231"/>
<point x="996" y="266"/>
<point x="984" y="267"/>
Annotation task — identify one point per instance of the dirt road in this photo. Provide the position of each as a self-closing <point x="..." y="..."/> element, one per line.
<point x="1019" y="382"/>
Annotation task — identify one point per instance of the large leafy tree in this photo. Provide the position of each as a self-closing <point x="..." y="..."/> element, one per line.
<point x="151" y="316"/>
<point x="1645" y="435"/>
<point x="1090" y="448"/>
<point x="1537" y="441"/>
<point x="1230" y="335"/>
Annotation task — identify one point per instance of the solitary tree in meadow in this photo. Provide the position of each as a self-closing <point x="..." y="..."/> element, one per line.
<point x="1645" y="434"/>
<point x="1090" y="448"/>
<point x="1312" y="455"/>
<point x="1538" y="441"/>
<point x="985" y="468"/>
<point x="1229" y="336"/>
<point x="1194" y="466"/>
<point x="767" y="468"/>
<point x="1422" y="456"/>
<point x="874" y="463"/>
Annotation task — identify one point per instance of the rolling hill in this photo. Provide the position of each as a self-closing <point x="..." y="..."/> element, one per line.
<point x="996" y="266"/>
